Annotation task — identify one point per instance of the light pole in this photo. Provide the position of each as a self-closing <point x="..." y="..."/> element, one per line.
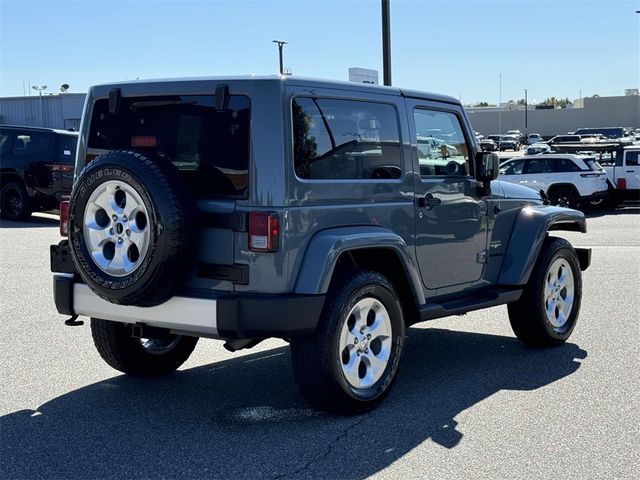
<point x="386" y="43"/>
<point x="500" y="106"/>
<point x="280" y="45"/>
<point x="526" y="110"/>
<point x="40" y="88"/>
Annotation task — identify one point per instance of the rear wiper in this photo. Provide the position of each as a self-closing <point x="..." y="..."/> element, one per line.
<point x="159" y="103"/>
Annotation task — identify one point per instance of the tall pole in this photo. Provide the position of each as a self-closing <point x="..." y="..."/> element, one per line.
<point x="386" y="43"/>
<point x="500" y="106"/>
<point x="280" y="45"/>
<point x="526" y="110"/>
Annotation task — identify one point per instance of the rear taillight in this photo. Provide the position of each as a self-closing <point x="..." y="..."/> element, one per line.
<point x="591" y="175"/>
<point x="264" y="234"/>
<point x="59" y="167"/>
<point x="621" y="183"/>
<point x="64" y="218"/>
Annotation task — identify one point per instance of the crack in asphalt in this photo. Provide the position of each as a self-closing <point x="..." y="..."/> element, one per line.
<point x="320" y="458"/>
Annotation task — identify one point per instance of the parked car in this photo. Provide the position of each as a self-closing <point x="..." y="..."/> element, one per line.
<point x="568" y="180"/>
<point x="611" y="133"/>
<point x="37" y="169"/>
<point x="564" y="139"/>
<point x="488" y="145"/>
<point x="507" y="142"/>
<point x="623" y="173"/>
<point x="534" y="138"/>
<point x="248" y="208"/>
<point x="519" y="135"/>
<point x="620" y="162"/>
<point x="537" y="149"/>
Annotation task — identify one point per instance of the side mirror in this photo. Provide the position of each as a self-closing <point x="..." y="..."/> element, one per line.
<point x="487" y="168"/>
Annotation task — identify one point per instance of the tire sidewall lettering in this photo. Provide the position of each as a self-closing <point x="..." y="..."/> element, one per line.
<point x="87" y="267"/>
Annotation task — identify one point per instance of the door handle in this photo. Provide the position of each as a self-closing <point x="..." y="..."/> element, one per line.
<point x="429" y="201"/>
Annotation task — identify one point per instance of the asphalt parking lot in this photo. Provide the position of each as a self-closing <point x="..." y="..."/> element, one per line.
<point x="470" y="401"/>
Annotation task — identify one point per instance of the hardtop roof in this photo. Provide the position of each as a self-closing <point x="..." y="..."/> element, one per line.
<point x="295" y="81"/>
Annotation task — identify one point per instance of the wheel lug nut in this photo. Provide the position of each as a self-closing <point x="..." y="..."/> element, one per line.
<point x="128" y="232"/>
<point x="124" y="218"/>
<point x="114" y="217"/>
<point x="366" y="350"/>
<point x="119" y="241"/>
<point x="368" y="336"/>
<point x="111" y="231"/>
<point x="355" y="341"/>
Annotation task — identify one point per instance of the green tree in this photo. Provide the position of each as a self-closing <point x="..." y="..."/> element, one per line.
<point x="557" y="102"/>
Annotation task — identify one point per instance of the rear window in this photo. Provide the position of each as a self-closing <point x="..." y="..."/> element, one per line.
<point x="592" y="164"/>
<point x="209" y="147"/>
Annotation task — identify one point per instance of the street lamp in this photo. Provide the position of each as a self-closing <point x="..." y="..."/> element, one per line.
<point x="526" y="109"/>
<point x="40" y="88"/>
<point x="280" y="45"/>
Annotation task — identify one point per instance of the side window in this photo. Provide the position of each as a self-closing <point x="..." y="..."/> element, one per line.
<point x="442" y="148"/>
<point x="563" y="165"/>
<point x="632" y="158"/>
<point x="536" y="166"/>
<point x="513" y="168"/>
<point x="67" y="148"/>
<point x="4" y="142"/>
<point x="31" y="144"/>
<point x="345" y="139"/>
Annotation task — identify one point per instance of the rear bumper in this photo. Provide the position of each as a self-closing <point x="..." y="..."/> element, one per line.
<point x="225" y="316"/>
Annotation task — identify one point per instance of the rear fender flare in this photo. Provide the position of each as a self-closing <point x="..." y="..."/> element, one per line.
<point x="528" y="234"/>
<point x="324" y="249"/>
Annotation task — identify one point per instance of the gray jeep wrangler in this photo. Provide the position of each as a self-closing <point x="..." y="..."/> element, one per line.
<point x="332" y="215"/>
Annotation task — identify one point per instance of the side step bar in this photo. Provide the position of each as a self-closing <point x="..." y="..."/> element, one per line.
<point x="485" y="299"/>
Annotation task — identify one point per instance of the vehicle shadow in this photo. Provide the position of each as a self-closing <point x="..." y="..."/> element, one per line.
<point x="34" y="221"/>
<point x="243" y="418"/>
<point x="624" y="210"/>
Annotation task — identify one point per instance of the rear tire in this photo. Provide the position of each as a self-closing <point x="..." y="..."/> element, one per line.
<point x="547" y="311"/>
<point x="564" y="197"/>
<point x="14" y="201"/>
<point x="350" y="362"/>
<point x="150" y="358"/>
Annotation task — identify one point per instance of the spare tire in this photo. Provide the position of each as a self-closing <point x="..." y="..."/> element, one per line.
<point x="132" y="228"/>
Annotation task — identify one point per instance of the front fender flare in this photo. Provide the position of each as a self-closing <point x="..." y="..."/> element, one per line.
<point x="326" y="246"/>
<point x="528" y="235"/>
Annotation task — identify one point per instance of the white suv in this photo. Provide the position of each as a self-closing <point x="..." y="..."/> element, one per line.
<point x="568" y="180"/>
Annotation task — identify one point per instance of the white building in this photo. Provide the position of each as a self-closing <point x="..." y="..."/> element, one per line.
<point x="363" y="75"/>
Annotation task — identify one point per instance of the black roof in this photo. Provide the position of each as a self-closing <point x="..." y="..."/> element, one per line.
<point x="24" y="128"/>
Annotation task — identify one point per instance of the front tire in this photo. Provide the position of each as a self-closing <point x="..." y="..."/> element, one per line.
<point x="14" y="201"/>
<point x="350" y="362"/>
<point x="547" y="311"/>
<point x="149" y="357"/>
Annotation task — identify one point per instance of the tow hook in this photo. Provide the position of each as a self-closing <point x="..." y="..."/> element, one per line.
<point x="73" y="321"/>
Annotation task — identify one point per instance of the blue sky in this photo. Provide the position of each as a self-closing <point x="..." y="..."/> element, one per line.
<point x="558" y="47"/>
